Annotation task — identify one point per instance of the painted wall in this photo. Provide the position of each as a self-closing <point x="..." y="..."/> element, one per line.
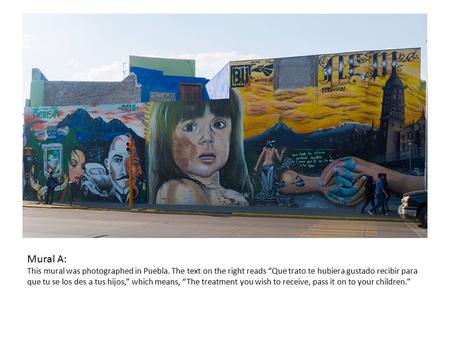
<point x="293" y="133"/>
<point x="85" y="145"/>
<point x="157" y="86"/>
<point x="309" y="130"/>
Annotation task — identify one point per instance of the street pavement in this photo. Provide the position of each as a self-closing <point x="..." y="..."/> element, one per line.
<point x="59" y="220"/>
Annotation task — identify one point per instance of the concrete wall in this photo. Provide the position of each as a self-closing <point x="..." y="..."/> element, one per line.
<point x="66" y="93"/>
<point x="288" y="71"/>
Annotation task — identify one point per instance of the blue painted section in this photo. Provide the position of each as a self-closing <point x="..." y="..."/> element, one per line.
<point x="155" y="81"/>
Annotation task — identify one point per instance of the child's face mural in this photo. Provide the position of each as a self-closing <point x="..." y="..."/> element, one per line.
<point x="76" y="165"/>
<point x="200" y="146"/>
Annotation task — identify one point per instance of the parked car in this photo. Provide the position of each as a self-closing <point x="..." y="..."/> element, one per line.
<point x="414" y="205"/>
<point x="96" y="182"/>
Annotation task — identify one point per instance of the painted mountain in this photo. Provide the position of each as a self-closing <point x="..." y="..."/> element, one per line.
<point x="324" y="138"/>
<point x="90" y="129"/>
<point x="96" y="135"/>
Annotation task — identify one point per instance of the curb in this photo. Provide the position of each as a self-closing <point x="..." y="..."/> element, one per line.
<point x="200" y="213"/>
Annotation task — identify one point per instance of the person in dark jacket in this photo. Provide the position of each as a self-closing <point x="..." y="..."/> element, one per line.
<point x="380" y="195"/>
<point x="386" y="188"/>
<point x="52" y="183"/>
<point x="369" y="194"/>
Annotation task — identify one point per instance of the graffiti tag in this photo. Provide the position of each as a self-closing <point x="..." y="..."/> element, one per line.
<point x="47" y="112"/>
<point x="240" y="75"/>
<point x="127" y="107"/>
<point x="51" y="132"/>
<point x="267" y="70"/>
<point x="338" y="69"/>
<point x="334" y="89"/>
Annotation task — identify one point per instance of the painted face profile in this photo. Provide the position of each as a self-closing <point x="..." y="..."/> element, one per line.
<point x="77" y="162"/>
<point x="137" y="168"/>
<point x="200" y="146"/>
<point x="116" y="163"/>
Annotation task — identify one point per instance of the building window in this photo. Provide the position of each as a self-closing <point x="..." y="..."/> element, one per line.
<point x="190" y="92"/>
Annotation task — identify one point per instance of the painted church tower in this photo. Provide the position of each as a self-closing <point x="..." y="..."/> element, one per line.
<point x="392" y="113"/>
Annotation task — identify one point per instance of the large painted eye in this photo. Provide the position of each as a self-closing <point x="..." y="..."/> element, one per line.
<point x="189" y="127"/>
<point x="219" y="124"/>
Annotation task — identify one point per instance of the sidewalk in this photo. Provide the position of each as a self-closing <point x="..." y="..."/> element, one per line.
<point x="315" y="210"/>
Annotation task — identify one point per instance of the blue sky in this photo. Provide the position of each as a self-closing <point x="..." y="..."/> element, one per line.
<point x="95" y="46"/>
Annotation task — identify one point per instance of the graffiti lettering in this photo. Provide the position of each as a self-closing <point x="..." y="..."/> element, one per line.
<point x="46" y="112"/>
<point x="338" y="69"/>
<point x="355" y="61"/>
<point x="410" y="57"/>
<point x="240" y="75"/>
<point x="127" y="107"/>
<point x="311" y="159"/>
<point x="346" y="64"/>
<point x="62" y="131"/>
<point x="51" y="132"/>
<point x="334" y="89"/>
<point x="376" y="62"/>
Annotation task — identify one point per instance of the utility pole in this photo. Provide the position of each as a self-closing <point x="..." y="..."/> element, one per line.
<point x="124" y="69"/>
<point x="130" y="149"/>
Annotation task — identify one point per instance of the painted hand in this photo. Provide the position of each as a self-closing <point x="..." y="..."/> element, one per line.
<point x="342" y="180"/>
<point x="295" y="183"/>
<point x="349" y="168"/>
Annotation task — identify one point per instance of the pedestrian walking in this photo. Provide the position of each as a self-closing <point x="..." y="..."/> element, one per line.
<point x="386" y="188"/>
<point x="74" y="191"/>
<point x="380" y="195"/>
<point x="52" y="183"/>
<point x="369" y="195"/>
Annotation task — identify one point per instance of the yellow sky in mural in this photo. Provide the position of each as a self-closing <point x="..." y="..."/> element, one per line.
<point x="308" y="109"/>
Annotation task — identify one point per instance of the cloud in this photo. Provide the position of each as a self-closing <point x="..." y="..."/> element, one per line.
<point x="109" y="72"/>
<point x="208" y="64"/>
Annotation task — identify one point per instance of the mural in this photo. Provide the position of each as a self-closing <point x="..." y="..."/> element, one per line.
<point x="85" y="147"/>
<point x="356" y="115"/>
<point x="335" y="130"/>
<point x="196" y="154"/>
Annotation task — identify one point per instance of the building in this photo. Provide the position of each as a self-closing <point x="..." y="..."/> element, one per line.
<point x="341" y="116"/>
<point x="163" y="79"/>
<point x="44" y="93"/>
<point x="150" y="79"/>
<point x="392" y="118"/>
